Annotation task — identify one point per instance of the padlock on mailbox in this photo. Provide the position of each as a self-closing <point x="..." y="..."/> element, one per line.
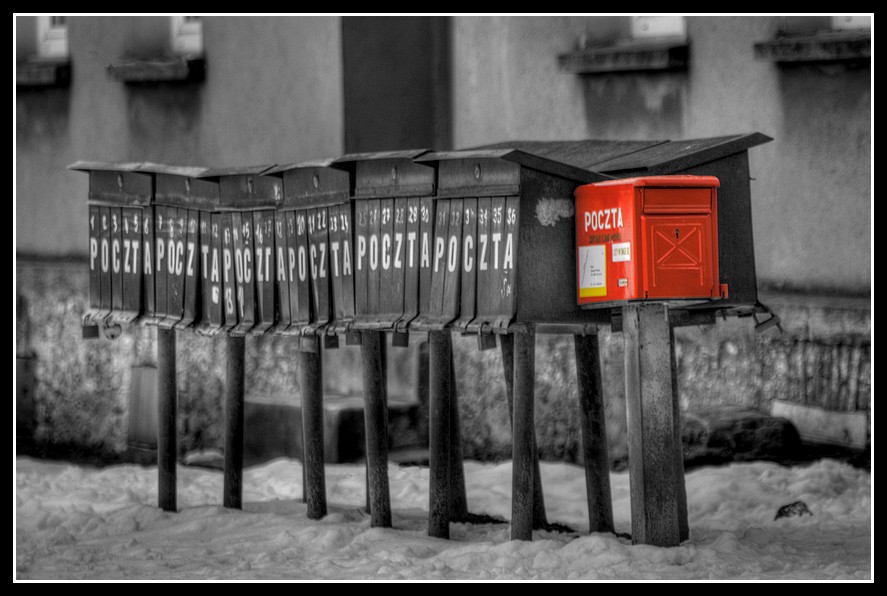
<point x="315" y="272"/>
<point x="247" y="199"/>
<point x="654" y="237"/>
<point x="120" y="239"/>
<point x="393" y="233"/>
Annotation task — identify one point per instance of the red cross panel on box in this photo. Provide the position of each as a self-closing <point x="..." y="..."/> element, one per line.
<point x="647" y="238"/>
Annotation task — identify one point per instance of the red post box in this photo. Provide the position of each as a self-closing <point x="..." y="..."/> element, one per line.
<point x="654" y="237"/>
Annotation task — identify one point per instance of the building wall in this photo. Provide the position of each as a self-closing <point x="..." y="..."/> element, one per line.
<point x="811" y="185"/>
<point x="273" y="93"/>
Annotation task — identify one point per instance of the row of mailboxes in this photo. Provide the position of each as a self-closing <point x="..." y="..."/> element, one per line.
<point x="475" y="240"/>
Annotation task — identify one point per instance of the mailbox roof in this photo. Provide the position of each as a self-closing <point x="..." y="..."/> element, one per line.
<point x="581" y="154"/>
<point x="236" y="171"/>
<point x="675" y="156"/>
<point x="404" y="154"/>
<point x="105" y="166"/>
<point x="314" y="163"/>
<point x="533" y="161"/>
<point x="159" y="168"/>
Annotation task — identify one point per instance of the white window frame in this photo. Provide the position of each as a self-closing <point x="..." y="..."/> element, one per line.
<point x="851" y="23"/>
<point x="52" y="40"/>
<point x="645" y="27"/>
<point x="187" y="36"/>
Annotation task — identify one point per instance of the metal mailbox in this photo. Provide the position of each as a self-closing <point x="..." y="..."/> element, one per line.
<point x="503" y="230"/>
<point x="315" y="274"/>
<point x="193" y="257"/>
<point x="654" y="237"/>
<point x="393" y="230"/>
<point x="247" y="199"/>
<point x="120" y="239"/>
<point x="546" y="282"/>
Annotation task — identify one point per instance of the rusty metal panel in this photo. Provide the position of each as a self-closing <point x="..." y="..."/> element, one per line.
<point x="429" y="318"/>
<point x="481" y="265"/>
<point x="132" y="264"/>
<point x="244" y="272"/>
<point x="116" y="263"/>
<point x="374" y="273"/>
<point x="175" y="266"/>
<point x="302" y="291"/>
<point x="210" y="273"/>
<point x="229" y="273"/>
<point x="468" y="266"/>
<point x="335" y="267"/>
<point x="427" y="217"/>
<point x="283" y="270"/>
<point x="318" y="247"/>
<point x="411" y="242"/>
<point x="192" y="282"/>
<point x="263" y="239"/>
<point x="345" y="225"/>
<point x="95" y="265"/>
<point x="105" y="262"/>
<point x="162" y="223"/>
<point x="452" y="283"/>
<point x="361" y="259"/>
<point x="148" y="265"/>
<point x="391" y="261"/>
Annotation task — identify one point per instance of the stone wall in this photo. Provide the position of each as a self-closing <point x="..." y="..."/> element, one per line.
<point x="81" y="388"/>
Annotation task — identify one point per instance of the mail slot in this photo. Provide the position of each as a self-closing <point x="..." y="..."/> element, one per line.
<point x="191" y="259"/>
<point x="120" y="211"/>
<point x="393" y="235"/>
<point x="247" y="199"/>
<point x="315" y="273"/>
<point x="654" y="237"/>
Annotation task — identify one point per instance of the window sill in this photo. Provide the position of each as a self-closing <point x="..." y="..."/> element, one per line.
<point x="630" y="56"/>
<point x="43" y="72"/>
<point x="159" y="69"/>
<point x="822" y="47"/>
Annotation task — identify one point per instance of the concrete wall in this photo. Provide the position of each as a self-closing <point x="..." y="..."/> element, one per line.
<point x="273" y="93"/>
<point x="812" y="185"/>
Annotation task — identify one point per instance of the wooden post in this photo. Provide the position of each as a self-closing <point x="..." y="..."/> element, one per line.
<point x="506" y="345"/>
<point x="458" y="499"/>
<point x="376" y="425"/>
<point x="439" y="435"/>
<point x="683" y="522"/>
<point x="651" y="428"/>
<point x="523" y="444"/>
<point x="421" y="374"/>
<point x="594" y="433"/>
<point x="166" y="419"/>
<point x="234" y="390"/>
<point x="311" y="381"/>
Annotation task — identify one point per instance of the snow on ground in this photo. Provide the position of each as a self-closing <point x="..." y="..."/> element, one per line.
<point x="81" y="523"/>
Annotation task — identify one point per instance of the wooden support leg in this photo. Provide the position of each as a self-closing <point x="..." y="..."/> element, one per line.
<point x="311" y="381"/>
<point x="376" y="425"/>
<point x="523" y="446"/>
<point x="594" y="433"/>
<point x="439" y="435"/>
<point x="458" y="499"/>
<point x="651" y="427"/>
<point x="166" y="419"/>
<point x="232" y="493"/>
<point x="683" y="523"/>
<point x="506" y="345"/>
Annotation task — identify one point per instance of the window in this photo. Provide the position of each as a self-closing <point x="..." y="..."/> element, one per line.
<point x="664" y="26"/>
<point x="187" y="34"/>
<point x="52" y="36"/>
<point x="844" y="23"/>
